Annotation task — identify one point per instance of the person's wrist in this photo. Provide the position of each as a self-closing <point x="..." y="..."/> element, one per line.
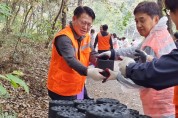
<point x="112" y="56"/>
<point x="119" y="77"/>
<point x="86" y="71"/>
<point x="122" y="70"/>
<point x="129" y="70"/>
<point x="149" y="58"/>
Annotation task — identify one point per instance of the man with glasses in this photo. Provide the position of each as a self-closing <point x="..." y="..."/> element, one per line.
<point x="71" y="53"/>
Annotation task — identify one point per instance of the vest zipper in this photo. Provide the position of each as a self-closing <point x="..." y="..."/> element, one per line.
<point x="79" y="42"/>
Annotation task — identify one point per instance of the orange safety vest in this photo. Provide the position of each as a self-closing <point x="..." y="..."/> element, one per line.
<point x="62" y="79"/>
<point x="103" y="42"/>
<point x="176" y="99"/>
<point x="158" y="103"/>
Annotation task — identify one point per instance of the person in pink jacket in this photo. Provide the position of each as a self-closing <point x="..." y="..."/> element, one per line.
<point x="115" y="41"/>
<point x="157" y="42"/>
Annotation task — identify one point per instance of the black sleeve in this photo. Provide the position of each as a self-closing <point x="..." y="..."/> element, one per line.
<point x="93" y="55"/>
<point x="64" y="47"/>
<point x="111" y="44"/>
<point x="112" y="55"/>
<point x="158" y="74"/>
<point x="96" y="41"/>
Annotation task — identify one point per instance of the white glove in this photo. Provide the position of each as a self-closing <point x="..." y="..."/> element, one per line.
<point x="94" y="73"/>
<point x="113" y="75"/>
<point x="125" y="62"/>
<point x="105" y="55"/>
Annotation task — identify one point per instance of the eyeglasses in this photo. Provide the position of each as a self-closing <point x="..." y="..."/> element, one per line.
<point x="167" y="11"/>
<point x="84" y="23"/>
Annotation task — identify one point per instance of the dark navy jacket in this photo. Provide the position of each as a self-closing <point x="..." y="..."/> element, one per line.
<point x="158" y="74"/>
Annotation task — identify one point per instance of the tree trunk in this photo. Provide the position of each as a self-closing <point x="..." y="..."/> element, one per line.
<point x="7" y="29"/>
<point x="50" y="34"/>
<point x="57" y="16"/>
<point x="160" y="3"/>
<point x="15" y="15"/>
<point x="80" y="2"/>
<point x="64" y="14"/>
<point x="24" y="23"/>
<point x="29" y="20"/>
<point x="169" y="22"/>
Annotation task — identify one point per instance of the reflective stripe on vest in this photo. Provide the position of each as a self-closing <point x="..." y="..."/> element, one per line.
<point x="160" y="44"/>
<point x="103" y="42"/>
<point x="62" y="79"/>
<point x="83" y="47"/>
<point x="158" y="103"/>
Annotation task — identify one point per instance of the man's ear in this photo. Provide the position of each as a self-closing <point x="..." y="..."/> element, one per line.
<point x="74" y="18"/>
<point x="156" y="19"/>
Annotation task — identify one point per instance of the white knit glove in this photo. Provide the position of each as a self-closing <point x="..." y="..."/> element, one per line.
<point x="113" y="75"/>
<point x="94" y="73"/>
<point x="122" y="65"/>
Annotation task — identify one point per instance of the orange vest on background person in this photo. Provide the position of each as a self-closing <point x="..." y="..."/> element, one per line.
<point x="104" y="42"/>
<point x="158" y="103"/>
<point x="62" y="79"/>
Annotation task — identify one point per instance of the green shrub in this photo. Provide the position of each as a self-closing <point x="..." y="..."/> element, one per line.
<point x="14" y="79"/>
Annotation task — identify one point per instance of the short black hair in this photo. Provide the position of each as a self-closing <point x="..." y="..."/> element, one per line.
<point x="92" y="31"/>
<point x="172" y="5"/>
<point x="105" y="27"/>
<point x="123" y="38"/>
<point x="150" y="8"/>
<point x="176" y="35"/>
<point x="114" y="35"/>
<point x="84" y="9"/>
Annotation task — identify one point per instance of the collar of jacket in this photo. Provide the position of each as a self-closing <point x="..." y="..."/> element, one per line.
<point x="104" y="33"/>
<point x="76" y="36"/>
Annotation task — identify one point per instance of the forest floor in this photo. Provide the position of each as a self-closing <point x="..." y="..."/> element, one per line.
<point x="33" y="60"/>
